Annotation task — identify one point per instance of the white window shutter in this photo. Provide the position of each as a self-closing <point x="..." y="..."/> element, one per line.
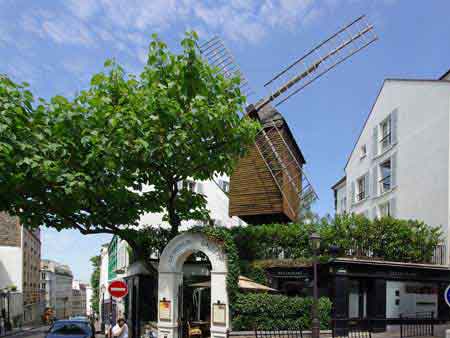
<point x="367" y="185"/>
<point x="375" y="181"/>
<point x="375" y="142"/>
<point x="353" y="193"/>
<point x="374" y="212"/>
<point x="394" y="170"/>
<point x="393" y="207"/>
<point x="394" y="126"/>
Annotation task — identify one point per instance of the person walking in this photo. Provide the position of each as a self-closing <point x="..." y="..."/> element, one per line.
<point x="120" y="330"/>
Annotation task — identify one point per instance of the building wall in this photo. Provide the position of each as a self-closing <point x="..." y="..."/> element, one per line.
<point x="89" y="293"/>
<point x="11" y="267"/>
<point x="419" y="157"/>
<point x="10" y="234"/>
<point x="217" y="204"/>
<point x="63" y="291"/>
<point x="48" y="283"/>
<point x="78" y="298"/>
<point x="31" y="279"/>
<point x="103" y="283"/>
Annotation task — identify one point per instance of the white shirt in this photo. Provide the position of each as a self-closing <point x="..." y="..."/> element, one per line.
<point x="124" y="333"/>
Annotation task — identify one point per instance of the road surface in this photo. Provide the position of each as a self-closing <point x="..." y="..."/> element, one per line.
<point x="39" y="332"/>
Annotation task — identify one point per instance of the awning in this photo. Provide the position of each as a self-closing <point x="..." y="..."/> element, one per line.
<point x="243" y="283"/>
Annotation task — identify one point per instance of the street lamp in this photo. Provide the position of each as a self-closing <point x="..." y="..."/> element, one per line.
<point x="315" y="328"/>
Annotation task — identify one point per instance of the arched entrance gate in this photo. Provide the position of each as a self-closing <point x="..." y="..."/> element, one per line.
<point x="171" y="279"/>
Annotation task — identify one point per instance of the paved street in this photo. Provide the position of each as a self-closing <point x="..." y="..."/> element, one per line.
<point x="37" y="333"/>
<point x="33" y="333"/>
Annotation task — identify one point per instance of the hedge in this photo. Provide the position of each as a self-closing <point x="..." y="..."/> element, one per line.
<point x="277" y="312"/>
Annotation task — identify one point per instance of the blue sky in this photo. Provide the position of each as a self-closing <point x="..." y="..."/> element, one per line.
<point x="57" y="45"/>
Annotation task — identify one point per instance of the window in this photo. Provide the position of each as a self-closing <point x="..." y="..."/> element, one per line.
<point x="385" y="128"/>
<point x="385" y="209"/>
<point x="363" y="151"/>
<point x="385" y="171"/>
<point x="344" y="204"/>
<point x="361" y="186"/>
<point x="189" y="185"/>
<point x="224" y="185"/>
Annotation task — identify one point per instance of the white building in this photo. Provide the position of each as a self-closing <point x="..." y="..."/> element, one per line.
<point x="399" y="165"/>
<point x="104" y="296"/>
<point x="89" y="293"/>
<point x="78" y="301"/>
<point x="215" y="192"/>
<point x="20" y="256"/>
<point x="56" y="280"/>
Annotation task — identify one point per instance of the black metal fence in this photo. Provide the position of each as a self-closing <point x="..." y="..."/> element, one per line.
<point x="417" y="325"/>
<point x="279" y="334"/>
<point x="351" y="328"/>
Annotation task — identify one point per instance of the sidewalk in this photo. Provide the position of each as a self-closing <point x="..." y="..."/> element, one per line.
<point x="22" y="329"/>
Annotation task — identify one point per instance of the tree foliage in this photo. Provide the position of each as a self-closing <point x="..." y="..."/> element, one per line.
<point x="121" y="147"/>
<point x="95" y="283"/>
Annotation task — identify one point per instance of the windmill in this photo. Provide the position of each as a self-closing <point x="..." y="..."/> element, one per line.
<point x="269" y="183"/>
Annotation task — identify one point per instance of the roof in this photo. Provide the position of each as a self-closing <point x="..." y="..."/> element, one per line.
<point x="443" y="76"/>
<point x="342" y="180"/>
<point x="376" y="99"/>
<point x="268" y="114"/>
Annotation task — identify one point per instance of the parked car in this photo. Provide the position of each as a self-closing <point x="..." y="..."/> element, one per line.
<point x="85" y="319"/>
<point x="72" y="328"/>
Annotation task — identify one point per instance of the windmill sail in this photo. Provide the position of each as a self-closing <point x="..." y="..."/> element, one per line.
<point x="274" y="142"/>
<point x="218" y="55"/>
<point x="338" y="48"/>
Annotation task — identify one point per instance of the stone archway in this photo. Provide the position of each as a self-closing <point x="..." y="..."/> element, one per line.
<point x="171" y="278"/>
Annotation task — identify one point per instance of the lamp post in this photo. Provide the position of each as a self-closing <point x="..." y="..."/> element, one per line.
<point x="315" y="329"/>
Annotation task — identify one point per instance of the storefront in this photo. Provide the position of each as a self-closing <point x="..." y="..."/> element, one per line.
<point x="376" y="290"/>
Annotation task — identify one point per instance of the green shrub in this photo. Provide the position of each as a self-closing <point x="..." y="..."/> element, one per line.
<point x="277" y="312"/>
<point x="384" y="238"/>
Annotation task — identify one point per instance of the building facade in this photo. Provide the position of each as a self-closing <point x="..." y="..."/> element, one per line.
<point x="56" y="280"/>
<point x="400" y="163"/>
<point x="20" y="255"/>
<point x="399" y="167"/>
<point x="78" y="301"/>
<point x="89" y="294"/>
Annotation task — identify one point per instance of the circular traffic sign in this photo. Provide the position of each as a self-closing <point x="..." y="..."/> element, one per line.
<point x="447" y="295"/>
<point x="118" y="289"/>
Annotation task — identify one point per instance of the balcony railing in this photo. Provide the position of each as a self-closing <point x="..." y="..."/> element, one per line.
<point x="438" y="257"/>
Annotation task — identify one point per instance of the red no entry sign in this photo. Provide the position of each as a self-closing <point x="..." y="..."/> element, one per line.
<point x="118" y="289"/>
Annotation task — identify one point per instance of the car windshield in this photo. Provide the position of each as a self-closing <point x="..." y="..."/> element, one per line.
<point x="70" y="328"/>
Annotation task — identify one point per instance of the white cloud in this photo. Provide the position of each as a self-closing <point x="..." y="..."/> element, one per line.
<point x="240" y="20"/>
<point x="59" y="28"/>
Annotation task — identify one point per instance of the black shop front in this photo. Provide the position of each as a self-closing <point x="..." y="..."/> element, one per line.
<point x="365" y="290"/>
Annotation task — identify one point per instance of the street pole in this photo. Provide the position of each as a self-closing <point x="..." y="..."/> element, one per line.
<point x="315" y="324"/>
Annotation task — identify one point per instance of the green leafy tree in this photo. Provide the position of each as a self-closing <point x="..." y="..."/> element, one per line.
<point x="121" y="147"/>
<point x="95" y="283"/>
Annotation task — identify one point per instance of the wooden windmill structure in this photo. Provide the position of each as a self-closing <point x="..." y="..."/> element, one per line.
<point x="269" y="184"/>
